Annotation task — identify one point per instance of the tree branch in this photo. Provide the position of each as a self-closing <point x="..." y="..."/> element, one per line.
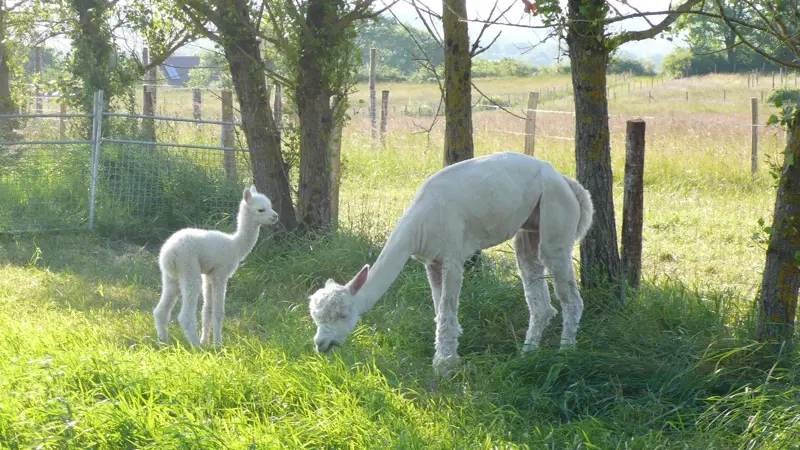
<point x="651" y="32"/>
<point x="749" y="44"/>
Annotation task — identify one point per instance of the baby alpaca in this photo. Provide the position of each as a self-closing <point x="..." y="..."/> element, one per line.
<point x="471" y="205"/>
<point x="190" y="255"/>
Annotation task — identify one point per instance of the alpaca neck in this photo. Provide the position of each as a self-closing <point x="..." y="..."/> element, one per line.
<point x="387" y="267"/>
<point x="246" y="234"/>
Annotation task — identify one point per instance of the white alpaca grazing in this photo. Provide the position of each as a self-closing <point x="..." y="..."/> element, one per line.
<point x="472" y="205"/>
<point x="190" y="255"/>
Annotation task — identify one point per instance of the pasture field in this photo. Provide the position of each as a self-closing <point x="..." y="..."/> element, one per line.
<point x="675" y="367"/>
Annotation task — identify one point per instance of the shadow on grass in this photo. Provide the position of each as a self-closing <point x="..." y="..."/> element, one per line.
<point x="669" y="366"/>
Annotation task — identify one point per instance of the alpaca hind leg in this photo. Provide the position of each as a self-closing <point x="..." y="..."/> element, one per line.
<point x="560" y="266"/>
<point x="190" y="283"/>
<point x="163" y="311"/>
<point x="447" y="327"/>
<point x="434" y="272"/>
<point x="206" y="315"/>
<point x="219" y="287"/>
<point x="531" y="270"/>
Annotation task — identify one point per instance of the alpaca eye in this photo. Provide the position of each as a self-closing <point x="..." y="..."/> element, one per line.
<point x="261" y="210"/>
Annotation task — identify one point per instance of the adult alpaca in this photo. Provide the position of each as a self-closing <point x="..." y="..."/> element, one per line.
<point x="472" y="205"/>
<point x="191" y="255"/>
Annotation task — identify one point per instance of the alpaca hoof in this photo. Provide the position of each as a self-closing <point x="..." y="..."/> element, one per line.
<point x="567" y="346"/>
<point x="163" y="336"/>
<point x="446" y="365"/>
<point x="528" y="348"/>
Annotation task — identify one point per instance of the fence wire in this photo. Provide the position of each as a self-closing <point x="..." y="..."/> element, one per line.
<point x="181" y="179"/>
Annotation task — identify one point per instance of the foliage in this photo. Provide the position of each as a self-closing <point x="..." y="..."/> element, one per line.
<point x="630" y="65"/>
<point x="213" y="71"/>
<point x="396" y="50"/>
<point x="558" y="69"/>
<point x="683" y="63"/>
<point x="714" y="46"/>
<point x="506" y="67"/>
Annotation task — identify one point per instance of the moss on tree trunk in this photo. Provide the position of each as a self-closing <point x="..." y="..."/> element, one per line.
<point x="588" y="51"/>
<point x="458" y="145"/>
<point x="261" y="132"/>
<point x="777" y="303"/>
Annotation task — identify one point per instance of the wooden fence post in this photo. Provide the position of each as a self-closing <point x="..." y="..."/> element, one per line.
<point x="373" y="107"/>
<point x="773" y="79"/>
<point x="633" y="202"/>
<point x="384" y="115"/>
<point x="37" y="61"/>
<point x="62" y="123"/>
<point x="530" y="123"/>
<point x="197" y="106"/>
<point x="148" y="102"/>
<point x="687" y="96"/>
<point x="724" y="96"/>
<point x="228" y="136"/>
<point x="754" y="134"/>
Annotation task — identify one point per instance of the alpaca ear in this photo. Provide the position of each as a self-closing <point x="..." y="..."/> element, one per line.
<point x="253" y="189"/>
<point x="329" y="282"/>
<point x="358" y="281"/>
<point x="247" y="195"/>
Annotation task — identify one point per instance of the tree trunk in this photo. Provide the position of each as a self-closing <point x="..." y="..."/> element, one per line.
<point x="261" y="132"/>
<point x="730" y="42"/>
<point x="777" y="304"/>
<point x="316" y="121"/>
<point x="600" y="261"/>
<point x="7" y="105"/>
<point x="458" y="144"/>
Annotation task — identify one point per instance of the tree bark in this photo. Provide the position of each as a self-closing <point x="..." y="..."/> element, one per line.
<point x="314" y="111"/>
<point x="600" y="261"/>
<point x="7" y="105"/>
<point x="777" y="303"/>
<point x="458" y="145"/>
<point x="730" y="42"/>
<point x="240" y="44"/>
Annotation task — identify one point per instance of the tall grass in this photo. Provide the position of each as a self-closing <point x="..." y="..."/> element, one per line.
<point x="675" y="367"/>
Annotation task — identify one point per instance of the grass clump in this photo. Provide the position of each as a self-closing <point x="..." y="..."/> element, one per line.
<point x="81" y="368"/>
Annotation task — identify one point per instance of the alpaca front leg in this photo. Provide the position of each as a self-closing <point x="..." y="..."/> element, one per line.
<point x="219" y="287"/>
<point x="205" y="335"/>
<point x="446" y="359"/>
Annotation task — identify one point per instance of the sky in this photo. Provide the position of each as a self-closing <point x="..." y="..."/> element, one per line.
<point x="480" y="9"/>
<point x="518" y="37"/>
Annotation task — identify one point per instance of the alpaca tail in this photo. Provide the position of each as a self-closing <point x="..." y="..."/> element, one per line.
<point x="587" y="208"/>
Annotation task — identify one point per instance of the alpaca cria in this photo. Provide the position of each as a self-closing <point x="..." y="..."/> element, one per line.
<point x="472" y="205"/>
<point x="194" y="261"/>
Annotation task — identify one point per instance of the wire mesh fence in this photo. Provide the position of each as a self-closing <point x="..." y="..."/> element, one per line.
<point x="80" y="171"/>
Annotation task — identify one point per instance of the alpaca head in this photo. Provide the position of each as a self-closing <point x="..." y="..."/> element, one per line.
<point x="333" y="309"/>
<point x="257" y="207"/>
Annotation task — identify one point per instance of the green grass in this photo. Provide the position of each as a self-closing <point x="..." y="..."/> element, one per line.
<point x="674" y="368"/>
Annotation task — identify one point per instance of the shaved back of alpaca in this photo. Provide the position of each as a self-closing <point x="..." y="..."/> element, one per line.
<point x="472" y="205"/>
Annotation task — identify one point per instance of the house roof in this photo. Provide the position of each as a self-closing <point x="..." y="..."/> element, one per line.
<point x="176" y="69"/>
